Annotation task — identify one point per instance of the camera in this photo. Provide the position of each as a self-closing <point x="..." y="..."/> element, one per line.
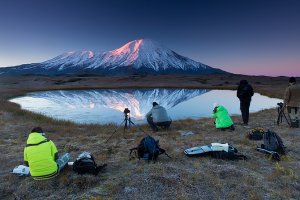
<point x="126" y="111"/>
<point x="280" y="104"/>
<point x="126" y="114"/>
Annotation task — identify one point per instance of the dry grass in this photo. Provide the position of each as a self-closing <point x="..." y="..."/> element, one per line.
<point x="180" y="177"/>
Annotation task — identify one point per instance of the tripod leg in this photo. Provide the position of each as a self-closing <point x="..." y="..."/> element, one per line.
<point x="278" y="119"/>
<point x="115" y="131"/>
<point x="279" y="116"/>
<point x="131" y="122"/>
<point x="127" y="123"/>
<point x="286" y="118"/>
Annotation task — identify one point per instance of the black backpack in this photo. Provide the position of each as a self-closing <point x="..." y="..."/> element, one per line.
<point x="273" y="142"/>
<point x="85" y="164"/>
<point x="232" y="154"/>
<point x="148" y="149"/>
<point x="216" y="150"/>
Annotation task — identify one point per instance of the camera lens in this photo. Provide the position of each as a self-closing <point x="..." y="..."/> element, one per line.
<point x="126" y="111"/>
<point x="280" y="104"/>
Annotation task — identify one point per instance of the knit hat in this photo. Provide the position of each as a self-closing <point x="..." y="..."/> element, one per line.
<point x="292" y="80"/>
<point x="154" y="103"/>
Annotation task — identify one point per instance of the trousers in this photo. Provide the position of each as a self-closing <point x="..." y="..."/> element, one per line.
<point x="244" y="106"/>
<point x="154" y="125"/>
<point x="62" y="161"/>
<point x="294" y="116"/>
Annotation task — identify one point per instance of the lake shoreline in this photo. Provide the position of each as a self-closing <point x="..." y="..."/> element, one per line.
<point x="177" y="178"/>
<point x="106" y="106"/>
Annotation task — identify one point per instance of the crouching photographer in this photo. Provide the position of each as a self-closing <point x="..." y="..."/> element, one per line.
<point x="158" y="116"/>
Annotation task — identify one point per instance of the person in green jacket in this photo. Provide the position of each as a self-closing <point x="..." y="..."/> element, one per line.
<point x="41" y="156"/>
<point x="223" y="120"/>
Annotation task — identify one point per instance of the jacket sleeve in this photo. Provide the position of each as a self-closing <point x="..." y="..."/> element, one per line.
<point x="251" y="91"/>
<point x="149" y="113"/>
<point x="25" y="155"/>
<point x="238" y="93"/>
<point x="214" y="114"/>
<point x="287" y="96"/>
<point x="241" y="93"/>
<point x="53" y="149"/>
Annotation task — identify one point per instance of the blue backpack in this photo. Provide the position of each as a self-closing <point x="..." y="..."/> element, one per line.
<point x="148" y="149"/>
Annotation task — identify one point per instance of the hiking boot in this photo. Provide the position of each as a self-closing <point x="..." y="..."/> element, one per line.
<point x="232" y="128"/>
<point x="295" y="124"/>
<point x="242" y="124"/>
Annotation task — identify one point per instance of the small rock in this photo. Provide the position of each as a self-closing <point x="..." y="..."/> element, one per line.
<point x="99" y="191"/>
<point x="130" y="189"/>
<point x="247" y="127"/>
<point x="183" y="133"/>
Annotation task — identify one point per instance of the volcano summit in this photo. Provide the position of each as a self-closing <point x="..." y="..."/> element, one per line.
<point x="142" y="56"/>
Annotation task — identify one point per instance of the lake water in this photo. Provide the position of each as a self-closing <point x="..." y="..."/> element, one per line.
<point x="107" y="105"/>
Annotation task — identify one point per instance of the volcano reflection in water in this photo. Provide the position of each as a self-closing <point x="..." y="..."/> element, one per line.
<point x="107" y="106"/>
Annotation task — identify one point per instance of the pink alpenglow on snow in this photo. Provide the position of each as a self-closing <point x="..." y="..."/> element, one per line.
<point x="138" y="56"/>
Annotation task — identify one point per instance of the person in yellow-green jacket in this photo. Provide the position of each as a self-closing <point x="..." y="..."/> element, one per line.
<point x="41" y="156"/>
<point x="223" y="120"/>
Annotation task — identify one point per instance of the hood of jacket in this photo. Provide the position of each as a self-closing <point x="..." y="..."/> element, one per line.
<point x="156" y="107"/>
<point x="35" y="138"/>
<point x="220" y="108"/>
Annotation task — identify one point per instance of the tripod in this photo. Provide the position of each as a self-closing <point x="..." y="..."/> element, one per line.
<point x="127" y="123"/>
<point x="280" y="111"/>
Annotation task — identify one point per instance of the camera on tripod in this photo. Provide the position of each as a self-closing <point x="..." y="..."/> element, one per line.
<point x="127" y="123"/>
<point x="281" y="114"/>
<point x="126" y="112"/>
<point x="280" y="104"/>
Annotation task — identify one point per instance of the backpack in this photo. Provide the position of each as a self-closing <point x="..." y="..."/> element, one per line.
<point x="216" y="150"/>
<point x="231" y="154"/>
<point x="85" y="164"/>
<point x="256" y="134"/>
<point x="148" y="149"/>
<point x="273" y="142"/>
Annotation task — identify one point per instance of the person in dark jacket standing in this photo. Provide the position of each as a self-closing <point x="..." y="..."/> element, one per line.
<point x="244" y="93"/>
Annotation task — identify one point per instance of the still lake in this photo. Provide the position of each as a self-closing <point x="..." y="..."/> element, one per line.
<point x="103" y="106"/>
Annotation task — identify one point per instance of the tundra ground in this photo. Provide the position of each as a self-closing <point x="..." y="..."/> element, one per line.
<point x="179" y="177"/>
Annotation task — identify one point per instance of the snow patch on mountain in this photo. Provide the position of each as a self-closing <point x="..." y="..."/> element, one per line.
<point x="138" y="56"/>
<point x="138" y="53"/>
<point x="72" y="58"/>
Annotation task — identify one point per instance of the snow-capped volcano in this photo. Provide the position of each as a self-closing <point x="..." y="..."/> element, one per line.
<point x="138" y="56"/>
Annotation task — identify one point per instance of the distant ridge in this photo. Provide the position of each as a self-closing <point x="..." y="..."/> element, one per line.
<point x="142" y="56"/>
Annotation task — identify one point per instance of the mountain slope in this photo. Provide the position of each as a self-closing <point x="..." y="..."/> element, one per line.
<point x="136" y="57"/>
